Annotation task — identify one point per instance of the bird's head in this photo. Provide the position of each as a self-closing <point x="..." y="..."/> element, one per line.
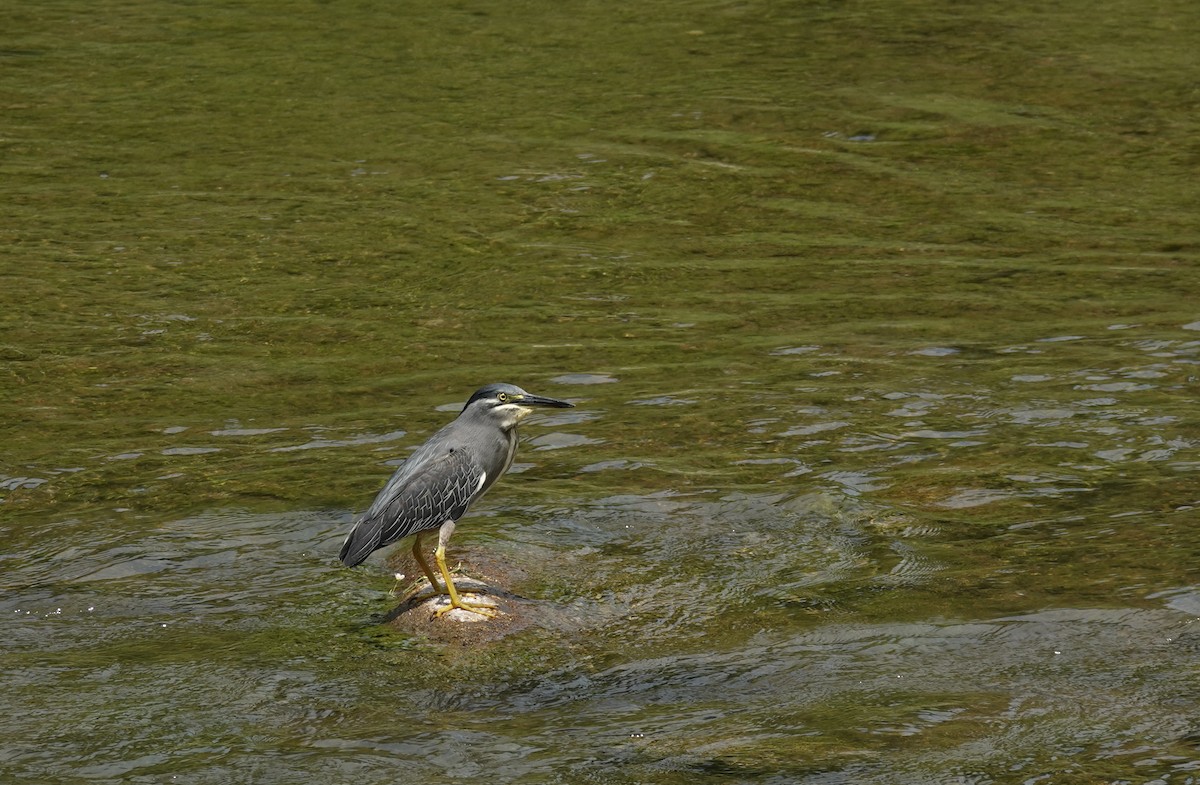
<point x="508" y="404"/>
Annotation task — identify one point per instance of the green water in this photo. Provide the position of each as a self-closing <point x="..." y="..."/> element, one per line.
<point x="881" y="321"/>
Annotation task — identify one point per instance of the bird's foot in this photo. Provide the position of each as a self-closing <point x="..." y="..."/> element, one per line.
<point x="418" y="593"/>
<point x="418" y="589"/>
<point x="396" y="587"/>
<point x="482" y="608"/>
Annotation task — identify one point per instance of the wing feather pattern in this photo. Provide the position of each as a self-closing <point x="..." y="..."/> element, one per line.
<point x="424" y="493"/>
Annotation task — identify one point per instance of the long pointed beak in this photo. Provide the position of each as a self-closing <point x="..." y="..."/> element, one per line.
<point x="530" y="399"/>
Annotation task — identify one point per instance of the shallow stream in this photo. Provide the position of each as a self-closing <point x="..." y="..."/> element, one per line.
<point x="881" y="320"/>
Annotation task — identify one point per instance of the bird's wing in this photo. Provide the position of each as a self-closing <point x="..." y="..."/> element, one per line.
<point x="418" y="497"/>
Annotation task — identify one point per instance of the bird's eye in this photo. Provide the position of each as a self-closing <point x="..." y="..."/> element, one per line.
<point x="502" y="397"/>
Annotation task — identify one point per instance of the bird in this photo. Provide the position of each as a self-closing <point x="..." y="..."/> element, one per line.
<point x="442" y="478"/>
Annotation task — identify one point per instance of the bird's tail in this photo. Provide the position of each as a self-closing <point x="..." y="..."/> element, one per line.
<point x="359" y="544"/>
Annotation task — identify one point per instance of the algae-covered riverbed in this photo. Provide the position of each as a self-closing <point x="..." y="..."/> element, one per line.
<point x="880" y="320"/>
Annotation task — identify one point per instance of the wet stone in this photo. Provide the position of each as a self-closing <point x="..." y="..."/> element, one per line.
<point x="477" y="583"/>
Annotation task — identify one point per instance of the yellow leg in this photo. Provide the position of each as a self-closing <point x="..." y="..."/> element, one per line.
<point x="483" y="609"/>
<point x="416" y="552"/>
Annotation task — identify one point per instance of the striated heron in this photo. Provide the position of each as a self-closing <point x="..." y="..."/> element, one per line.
<point x="439" y="482"/>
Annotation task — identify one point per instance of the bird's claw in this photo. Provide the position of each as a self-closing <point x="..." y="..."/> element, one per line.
<point x="482" y="608"/>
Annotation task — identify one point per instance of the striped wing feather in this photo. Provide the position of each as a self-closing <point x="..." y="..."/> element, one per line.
<point x="418" y="497"/>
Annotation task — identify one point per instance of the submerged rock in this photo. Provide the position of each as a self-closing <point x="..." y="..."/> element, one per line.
<point x="417" y="612"/>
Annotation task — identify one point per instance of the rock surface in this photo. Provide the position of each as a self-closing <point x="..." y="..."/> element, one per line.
<point x="417" y="611"/>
